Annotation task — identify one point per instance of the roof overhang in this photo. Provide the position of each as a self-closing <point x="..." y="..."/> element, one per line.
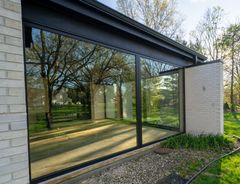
<point x="93" y="13"/>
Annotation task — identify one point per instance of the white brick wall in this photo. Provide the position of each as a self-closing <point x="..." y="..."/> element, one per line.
<point x="13" y="125"/>
<point x="204" y="99"/>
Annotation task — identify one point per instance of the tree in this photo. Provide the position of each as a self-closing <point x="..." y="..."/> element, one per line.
<point x="160" y="15"/>
<point x="231" y="45"/>
<point x="206" y="38"/>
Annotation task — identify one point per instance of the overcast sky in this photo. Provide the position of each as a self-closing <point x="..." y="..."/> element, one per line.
<point x="193" y="10"/>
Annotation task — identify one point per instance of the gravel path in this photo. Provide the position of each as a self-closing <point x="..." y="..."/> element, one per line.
<point x="149" y="168"/>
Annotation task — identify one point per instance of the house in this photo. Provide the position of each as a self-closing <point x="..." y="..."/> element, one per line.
<point x="126" y="85"/>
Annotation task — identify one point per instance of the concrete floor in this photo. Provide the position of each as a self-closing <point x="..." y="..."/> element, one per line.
<point x="65" y="147"/>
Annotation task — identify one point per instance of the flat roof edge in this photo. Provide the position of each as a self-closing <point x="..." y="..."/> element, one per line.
<point x="111" y="12"/>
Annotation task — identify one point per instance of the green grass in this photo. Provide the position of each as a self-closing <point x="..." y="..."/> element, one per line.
<point x="190" y="167"/>
<point x="226" y="170"/>
<point x="165" y="118"/>
<point x="201" y="142"/>
<point x="232" y="124"/>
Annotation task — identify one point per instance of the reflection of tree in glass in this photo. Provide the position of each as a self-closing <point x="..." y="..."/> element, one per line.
<point x="152" y="68"/>
<point x="170" y="92"/>
<point x="159" y="93"/>
<point x="108" y="67"/>
<point x="59" y="58"/>
<point x="76" y="65"/>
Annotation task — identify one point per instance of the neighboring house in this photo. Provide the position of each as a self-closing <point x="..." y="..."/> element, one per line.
<point x="49" y="45"/>
<point x="62" y="98"/>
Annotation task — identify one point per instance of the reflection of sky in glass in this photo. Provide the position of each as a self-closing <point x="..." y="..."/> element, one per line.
<point x="152" y="68"/>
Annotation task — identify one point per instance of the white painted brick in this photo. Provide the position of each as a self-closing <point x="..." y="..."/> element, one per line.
<point x="19" y="141"/>
<point x="19" y="158"/>
<point x="21" y="180"/>
<point x="17" y="108"/>
<point x="204" y="99"/>
<point x="11" y="66"/>
<point x="4" y="161"/>
<point x="1" y="20"/>
<point x="13" y="151"/>
<point x="13" y="121"/>
<point x="13" y="23"/>
<point x="3" y="109"/>
<point x="13" y="6"/>
<point x="16" y="1"/>
<point x="4" y="127"/>
<point x="1" y="38"/>
<point x="13" y="41"/>
<point x="3" y="74"/>
<point x="14" y="58"/>
<point x="16" y="91"/>
<point x="10" y="32"/>
<point x="13" y="167"/>
<point x="15" y="75"/>
<point x="7" y="13"/>
<point x="20" y="174"/>
<point x="5" y="178"/>
<point x="4" y="144"/>
<point x="18" y="125"/>
<point x="12" y="134"/>
<point x="2" y="56"/>
<point x="10" y="48"/>
<point x="11" y="100"/>
<point x="11" y="83"/>
<point x="3" y="91"/>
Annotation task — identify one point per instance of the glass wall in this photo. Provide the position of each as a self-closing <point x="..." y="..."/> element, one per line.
<point x="160" y="100"/>
<point x="81" y="101"/>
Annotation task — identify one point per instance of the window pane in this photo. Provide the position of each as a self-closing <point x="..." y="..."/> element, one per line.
<point x="81" y="101"/>
<point x="160" y="101"/>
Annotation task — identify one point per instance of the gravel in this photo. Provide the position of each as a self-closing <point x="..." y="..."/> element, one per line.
<point x="148" y="168"/>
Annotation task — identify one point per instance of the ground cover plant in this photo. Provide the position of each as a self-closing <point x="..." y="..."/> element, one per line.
<point x="200" y="142"/>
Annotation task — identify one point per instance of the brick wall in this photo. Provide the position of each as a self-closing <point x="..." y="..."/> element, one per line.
<point x="13" y="125"/>
<point x="204" y="99"/>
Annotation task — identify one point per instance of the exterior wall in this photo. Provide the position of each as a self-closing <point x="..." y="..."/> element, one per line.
<point x="204" y="98"/>
<point x="13" y="124"/>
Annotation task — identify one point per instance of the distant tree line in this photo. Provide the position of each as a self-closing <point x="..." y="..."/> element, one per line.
<point x="212" y="37"/>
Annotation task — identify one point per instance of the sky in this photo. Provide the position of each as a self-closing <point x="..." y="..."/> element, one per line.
<point x="193" y="11"/>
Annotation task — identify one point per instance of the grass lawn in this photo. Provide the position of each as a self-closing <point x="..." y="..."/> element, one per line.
<point x="226" y="170"/>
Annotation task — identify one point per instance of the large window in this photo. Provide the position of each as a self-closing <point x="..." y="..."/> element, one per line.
<point x="160" y="100"/>
<point x="81" y="101"/>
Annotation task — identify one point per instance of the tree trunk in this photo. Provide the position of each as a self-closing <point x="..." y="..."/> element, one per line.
<point x="121" y="100"/>
<point x="92" y="94"/>
<point x="48" y="103"/>
<point x="232" y="82"/>
<point x="49" y="114"/>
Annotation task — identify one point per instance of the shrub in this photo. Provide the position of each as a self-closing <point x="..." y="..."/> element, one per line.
<point x="200" y="142"/>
